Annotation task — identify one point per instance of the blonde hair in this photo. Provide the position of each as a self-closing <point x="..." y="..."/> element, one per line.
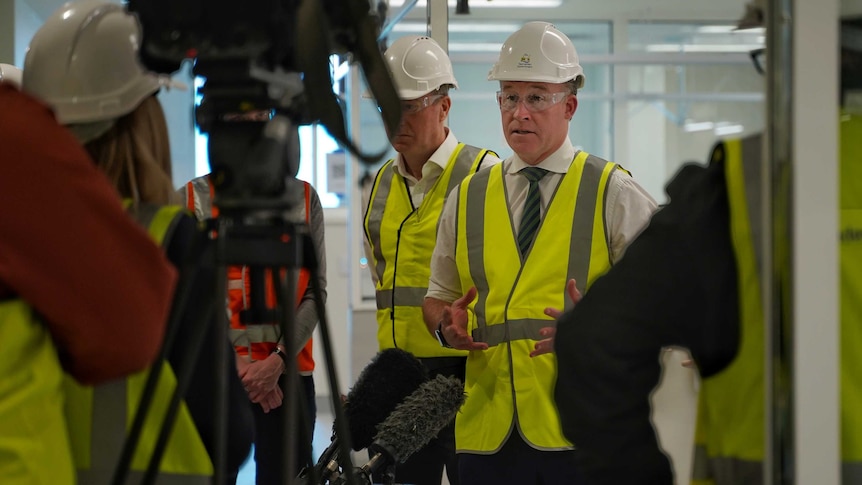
<point x="135" y="154"/>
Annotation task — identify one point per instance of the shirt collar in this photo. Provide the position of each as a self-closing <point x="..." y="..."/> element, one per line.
<point x="557" y="162"/>
<point x="438" y="161"/>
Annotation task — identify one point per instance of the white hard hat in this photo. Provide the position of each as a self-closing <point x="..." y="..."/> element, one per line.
<point x="418" y="65"/>
<point x="538" y="52"/>
<point x="83" y="62"/>
<point x="10" y="74"/>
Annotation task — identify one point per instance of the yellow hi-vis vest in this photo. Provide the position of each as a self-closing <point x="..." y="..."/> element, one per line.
<point x="402" y="238"/>
<point x="851" y="298"/>
<point x="729" y="440"/>
<point x="34" y="444"/>
<point x="100" y="416"/>
<point x="506" y="388"/>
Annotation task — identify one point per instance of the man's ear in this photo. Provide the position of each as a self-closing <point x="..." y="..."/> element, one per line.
<point x="445" y="105"/>
<point x="571" y="106"/>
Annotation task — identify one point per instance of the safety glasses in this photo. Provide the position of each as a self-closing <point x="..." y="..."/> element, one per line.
<point x="534" y="102"/>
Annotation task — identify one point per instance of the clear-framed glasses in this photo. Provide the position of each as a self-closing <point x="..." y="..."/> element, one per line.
<point x="534" y="102"/>
<point x="416" y="105"/>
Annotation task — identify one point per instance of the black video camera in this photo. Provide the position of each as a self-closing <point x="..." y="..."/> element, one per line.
<point x="269" y="56"/>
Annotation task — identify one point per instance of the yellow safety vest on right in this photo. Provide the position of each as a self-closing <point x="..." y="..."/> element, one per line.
<point x="729" y="439"/>
<point x="729" y="442"/>
<point x="505" y="386"/>
<point x="402" y="238"/>
<point x="99" y="416"/>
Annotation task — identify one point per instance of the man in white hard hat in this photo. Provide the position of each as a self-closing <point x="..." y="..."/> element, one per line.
<point x="512" y="242"/>
<point x="403" y="206"/>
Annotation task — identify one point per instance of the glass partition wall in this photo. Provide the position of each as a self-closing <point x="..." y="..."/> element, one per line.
<point x="684" y="85"/>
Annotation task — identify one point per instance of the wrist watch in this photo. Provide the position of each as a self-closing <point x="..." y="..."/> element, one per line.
<point x="440" y="337"/>
<point x="278" y="351"/>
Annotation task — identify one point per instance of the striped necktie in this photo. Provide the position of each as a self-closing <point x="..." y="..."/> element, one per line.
<point x="532" y="208"/>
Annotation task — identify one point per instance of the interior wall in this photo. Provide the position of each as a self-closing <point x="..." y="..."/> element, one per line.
<point x="339" y="317"/>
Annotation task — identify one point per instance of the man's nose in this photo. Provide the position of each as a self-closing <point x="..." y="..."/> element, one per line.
<point x="521" y="110"/>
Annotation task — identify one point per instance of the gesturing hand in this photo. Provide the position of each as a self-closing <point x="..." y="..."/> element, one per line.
<point x="546" y="345"/>
<point x="454" y="324"/>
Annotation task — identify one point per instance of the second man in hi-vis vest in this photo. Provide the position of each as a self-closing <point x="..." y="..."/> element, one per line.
<point x="403" y="207"/>
<point x="510" y="242"/>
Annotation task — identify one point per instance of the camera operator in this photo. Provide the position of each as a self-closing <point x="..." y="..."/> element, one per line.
<point x="84" y="63"/>
<point x="64" y="306"/>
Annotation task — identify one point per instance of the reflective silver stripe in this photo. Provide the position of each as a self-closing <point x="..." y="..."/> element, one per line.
<point x="154" y="217"/>
<point x="376" y="207"/>
<point x="255" y="334"/>
<point x="108" y="434"/>
<point x="525" y="329"/>
<point x="475" y="237"/>
<point x="725" y="471"/>
<point x="404" y="296"/>
<point x="143" y="213"/>
<point x="463" y="165"/>
<point x="203" y="203"/>
<point x="108" y="431"/>
<point x="581" y="242"/>
<point x="851" y="473"/>
<point x="234" y="284"/>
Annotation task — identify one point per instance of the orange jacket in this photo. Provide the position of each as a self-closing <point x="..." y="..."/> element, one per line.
<point x="238" y="293"/>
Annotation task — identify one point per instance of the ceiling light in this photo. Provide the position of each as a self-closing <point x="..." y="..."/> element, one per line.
<point x="493" y="3"/>
<point x="716" y="29"/>
<point x="691" y="127"/>
<point x="728" y="129"/>
<point x="702" y="47"/>
<point x="507" y="28"/>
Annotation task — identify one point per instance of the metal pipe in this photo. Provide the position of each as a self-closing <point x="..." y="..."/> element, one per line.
<point x="777" y="223"/>
<point x="408" y="6"/>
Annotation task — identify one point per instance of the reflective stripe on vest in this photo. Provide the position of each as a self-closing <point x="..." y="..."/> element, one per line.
<point x="505" y="387"/>
<point x="99" y="417"/>
<point x="34" y="444"/>
<point x="112" y="409"/>
<point x="714" y="471"/>
<point x="159" y="221"/>
<point x="259" y="340"/>
<point x="402" y="239"/>
<point x="730" y="416"/>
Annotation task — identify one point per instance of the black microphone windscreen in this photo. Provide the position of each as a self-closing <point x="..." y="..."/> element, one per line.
<point x="420" y="417"/>
<point x="390" y="377"/>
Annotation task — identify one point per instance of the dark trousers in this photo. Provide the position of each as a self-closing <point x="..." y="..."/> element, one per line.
<point x="518" y="463"/>
<point x="270" y="442"/>
<point x="425" y="467"/>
